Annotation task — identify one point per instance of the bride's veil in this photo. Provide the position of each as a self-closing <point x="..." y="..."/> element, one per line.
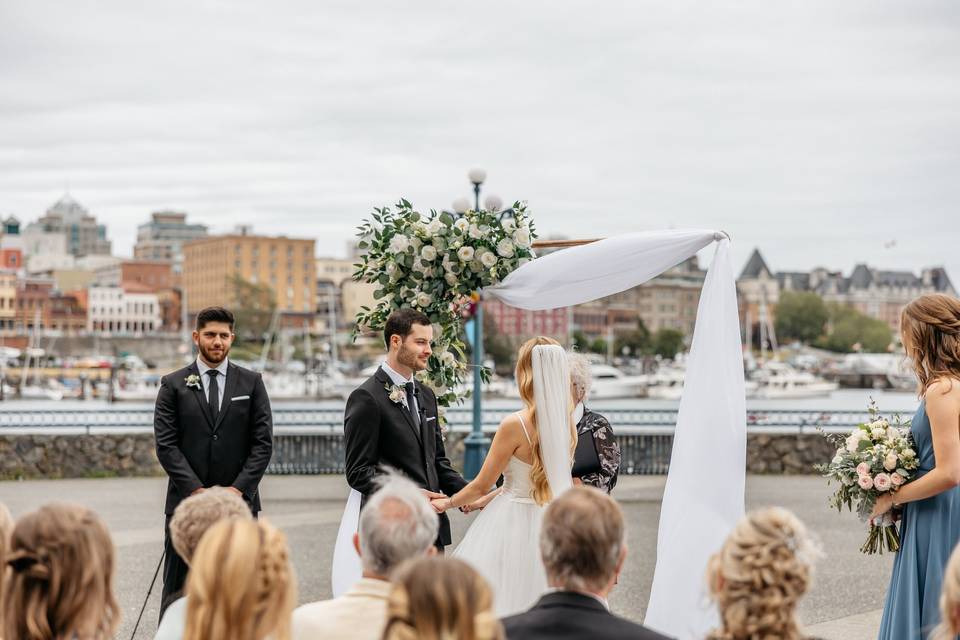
<point x="552" y="395"/>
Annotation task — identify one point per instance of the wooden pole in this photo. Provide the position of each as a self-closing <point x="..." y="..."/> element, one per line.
<point x="562" y="244"/>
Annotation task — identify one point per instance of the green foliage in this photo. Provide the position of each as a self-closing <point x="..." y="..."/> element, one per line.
<point x="598" y="346"/>
<point x="637" y="341"/>
<point x="253" y="307"/>
<point x="667" y="343"/>
<point x="801" y="315"/>
<point x="851" y="330"/>
<point x="432" y="263"/>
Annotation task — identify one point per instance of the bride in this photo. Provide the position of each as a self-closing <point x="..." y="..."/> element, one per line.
<point x="533" y="450"/>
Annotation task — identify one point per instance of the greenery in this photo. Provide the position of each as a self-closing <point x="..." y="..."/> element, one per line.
<point x="851" y="330"/>
<point x="435" y="263"/>
<point x="637" y="341"/>
<point x="801" y="315"/>
<point x="253" y="308"/>
<point x="667" y="343"/>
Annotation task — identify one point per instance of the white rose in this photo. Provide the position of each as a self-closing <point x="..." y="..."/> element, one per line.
<point x="440" y="245"/>
<point x="890" y="461"/>
<point x="892" y="433"/>
<point x="435" y="226"/>
<point x="451" y="279"/>
<point x="908" y="453"/>
<point x="475" y="232"/>
<point x="424" y="299"/>
<point x="522" y="238"/>
<point x="391" y="269"/>
<point x="838" y="460"/>
<point x="428" y="272"/>
<point x="461" y="225"/>
<point x="878" y="433"/>
<point x="416" y="243"/>
<point x="399" y="243"/>
<point x="509" y="225"/>
<point x="428" y="253"/>
<point x="505" y="248"/>
<point x="852" y="443"/>
<point x="487" y="259"/>
<point x="448" y="359"/>
<point x="465" y="254"/>
<point x="421" y="228"/>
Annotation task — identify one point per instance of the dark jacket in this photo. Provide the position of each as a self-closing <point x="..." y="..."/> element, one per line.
<point x="566" y="615"/>
<point x="381" y="432"/>
<point x="196" y="453"/>
<point x="607" y="449"/>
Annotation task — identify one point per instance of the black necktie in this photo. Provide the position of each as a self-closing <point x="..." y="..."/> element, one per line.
<point x="413" y="413"/>
<point x="213" y="397"/>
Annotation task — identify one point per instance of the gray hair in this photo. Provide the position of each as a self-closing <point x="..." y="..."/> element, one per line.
<point x="396" y="524"/>
<point x="581" y="539"/>
<point x="579" y="374"/>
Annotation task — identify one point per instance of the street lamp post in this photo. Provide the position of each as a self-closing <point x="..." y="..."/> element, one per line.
<point x="475" y="444"/>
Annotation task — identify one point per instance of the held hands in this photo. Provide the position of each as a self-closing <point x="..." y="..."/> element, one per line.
<point x="435" y="499"/>
<point x="477" y="505"/>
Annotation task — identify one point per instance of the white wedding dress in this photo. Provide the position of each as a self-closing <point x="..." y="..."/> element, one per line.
<point x="503" y="542"/>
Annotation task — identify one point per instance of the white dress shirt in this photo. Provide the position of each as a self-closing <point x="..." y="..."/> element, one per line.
<point x="205" y="379"/>
<point x="400" y="381"/>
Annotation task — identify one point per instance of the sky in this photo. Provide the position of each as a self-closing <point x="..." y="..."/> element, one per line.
<point x="825" y="133"/>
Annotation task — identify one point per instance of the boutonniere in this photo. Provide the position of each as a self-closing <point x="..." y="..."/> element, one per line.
<point x="193" y="381"/>
<point x="396" y="393"/>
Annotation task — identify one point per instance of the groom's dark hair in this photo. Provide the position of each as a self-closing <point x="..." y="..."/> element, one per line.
<point x="399" y="323"/>
<point x="214" y="314"/>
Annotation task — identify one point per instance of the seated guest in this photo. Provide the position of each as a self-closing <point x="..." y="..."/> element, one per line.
<point x="396" y="524"/>
<point x="439" y="598"/>
<point x="597" y="458"/>
<point x="949" y="627"/>
<point x="6" y="527"/>
<point x="759" y="575"/>
<point x="583" y="546"/>
<point x="60" y="581"/>
<point x="190" y="521"/>
<point x="241" y="583"/>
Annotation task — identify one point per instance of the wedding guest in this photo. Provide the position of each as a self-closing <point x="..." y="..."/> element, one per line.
<point x="583" y="546"/>
<point x="395" y="525"/>
<point x="597" y="459"/>
<point x="949" y="627"/>
<point x="240" y="584"/>
<point x="930" y="524"/>
<point x="190" y="521"/>
<point x="6" y="528"/>
<point x="439" y="599"/>
<point x="759" y="576"/>
<point x="60" y="580"/>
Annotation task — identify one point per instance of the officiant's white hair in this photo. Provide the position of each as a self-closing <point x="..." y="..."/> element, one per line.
<point x="396" y="524"/>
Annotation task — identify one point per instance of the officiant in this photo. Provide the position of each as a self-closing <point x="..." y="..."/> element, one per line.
<point x="597" y="458"/>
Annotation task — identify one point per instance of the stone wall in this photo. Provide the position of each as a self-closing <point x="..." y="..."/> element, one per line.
<point x="70" y="456"/>
<point x="77" y="456"/>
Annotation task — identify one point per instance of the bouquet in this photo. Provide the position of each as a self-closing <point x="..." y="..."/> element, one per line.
<point x="875" y="458"/>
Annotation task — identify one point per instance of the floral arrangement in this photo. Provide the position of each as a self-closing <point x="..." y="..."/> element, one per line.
<point x="875" y="458"/>
<point x="437" y="263"/>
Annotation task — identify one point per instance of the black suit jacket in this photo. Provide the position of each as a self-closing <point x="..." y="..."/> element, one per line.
<point x="565" y="615"/>
<point x="381" y="432"/>
<point x="196" y="453"/>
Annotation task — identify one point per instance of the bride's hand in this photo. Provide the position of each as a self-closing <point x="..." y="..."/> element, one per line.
<point x="478" y="505"/>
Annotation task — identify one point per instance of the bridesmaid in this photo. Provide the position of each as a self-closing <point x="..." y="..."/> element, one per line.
<point x="930" y="329"/>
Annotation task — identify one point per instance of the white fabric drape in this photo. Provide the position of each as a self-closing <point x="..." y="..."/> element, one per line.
<point x="704" y="495"/>
<point x="551" y="393"/>
<point x="346" y="568"/>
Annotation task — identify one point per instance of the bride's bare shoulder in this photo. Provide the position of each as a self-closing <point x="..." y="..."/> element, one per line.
<point x="510" y="425"/>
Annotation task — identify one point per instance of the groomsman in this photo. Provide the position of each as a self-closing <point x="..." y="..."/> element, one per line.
<point x="213" y="427"/>
<point x="392" y="420"/>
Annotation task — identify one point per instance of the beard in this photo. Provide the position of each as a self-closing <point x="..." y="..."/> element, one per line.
<point x="213" y="358"/>
<point x="408" y="358"/>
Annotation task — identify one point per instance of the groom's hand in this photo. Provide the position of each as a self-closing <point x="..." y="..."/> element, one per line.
<point x="440" y="504"/>
<point x="432" y="495"/>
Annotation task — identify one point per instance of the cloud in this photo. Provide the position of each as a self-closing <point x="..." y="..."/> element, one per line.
<point x="816" y="131"/>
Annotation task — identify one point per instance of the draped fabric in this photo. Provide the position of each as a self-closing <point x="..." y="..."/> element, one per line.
<point x="551" y="393"/>
<point x="704" y="494"/>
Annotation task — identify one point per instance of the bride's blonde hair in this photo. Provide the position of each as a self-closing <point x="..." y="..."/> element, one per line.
<point x="524" y="375"/>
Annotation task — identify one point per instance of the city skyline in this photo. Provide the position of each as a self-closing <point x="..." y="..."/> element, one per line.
<point x="824" y="135"/>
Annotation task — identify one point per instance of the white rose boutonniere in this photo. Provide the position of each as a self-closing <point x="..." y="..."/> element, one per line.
<point x="396" y="393"/>
<point x="193" y="381"/>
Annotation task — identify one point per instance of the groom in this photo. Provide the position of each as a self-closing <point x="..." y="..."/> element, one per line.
<point x="392" y="420"/>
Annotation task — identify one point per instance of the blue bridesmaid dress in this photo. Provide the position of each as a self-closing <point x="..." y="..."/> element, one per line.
<point x="929" y="529"/>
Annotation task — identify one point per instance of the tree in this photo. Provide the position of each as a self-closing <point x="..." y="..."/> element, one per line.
<point x="598" y="346"/>
<point x="851" y="330"/>
<point x="667" y="343"/>
<point x="497" y="346"/>
<point x="580" y="341"/>
<point x="253" y="307"/>
<point x="801" y="315"/>
<point x="637" y="341"/>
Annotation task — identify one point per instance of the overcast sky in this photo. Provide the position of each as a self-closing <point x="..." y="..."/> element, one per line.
<point x="821" y="132"/>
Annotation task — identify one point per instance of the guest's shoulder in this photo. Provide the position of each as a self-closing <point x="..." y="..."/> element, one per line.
<point x="311" y="612"/>
<point x="621" y="627"/>
<point x="594" y="420"/>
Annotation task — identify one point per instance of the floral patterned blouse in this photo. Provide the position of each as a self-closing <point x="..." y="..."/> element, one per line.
<point x="607" y="449"/>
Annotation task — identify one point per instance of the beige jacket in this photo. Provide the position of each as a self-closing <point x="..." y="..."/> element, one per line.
<point x="359" y="614"/>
